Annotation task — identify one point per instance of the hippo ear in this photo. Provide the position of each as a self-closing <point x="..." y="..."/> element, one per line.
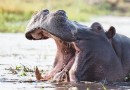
<point x="97" y="26"/>
<point x="111" y="32"/>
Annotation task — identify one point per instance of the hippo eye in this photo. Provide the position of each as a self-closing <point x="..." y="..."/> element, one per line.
<point x="99" y="28"/>
<point x="96" y="29"/>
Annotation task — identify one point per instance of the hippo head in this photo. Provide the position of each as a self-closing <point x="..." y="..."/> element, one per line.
<point x="44" y="24"/>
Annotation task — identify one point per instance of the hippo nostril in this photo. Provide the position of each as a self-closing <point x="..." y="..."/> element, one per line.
<point x="61" y="12"/>
<point x="46" y="10"/>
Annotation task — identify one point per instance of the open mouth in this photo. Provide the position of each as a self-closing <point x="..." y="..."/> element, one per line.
<point x="66" y="51"/>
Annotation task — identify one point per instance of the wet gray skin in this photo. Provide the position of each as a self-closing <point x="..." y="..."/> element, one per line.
<point x="102" y="55"/>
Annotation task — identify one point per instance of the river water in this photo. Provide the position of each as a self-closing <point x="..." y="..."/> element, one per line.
<point x="16" y="52"/>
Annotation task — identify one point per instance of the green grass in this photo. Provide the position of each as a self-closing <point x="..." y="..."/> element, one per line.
<point x="14" y="14"/>
<point x="13" y="22"/>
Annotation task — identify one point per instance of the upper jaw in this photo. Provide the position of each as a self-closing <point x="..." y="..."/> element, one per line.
<point x="44" y="25"/>
<point x="29" y="31"/>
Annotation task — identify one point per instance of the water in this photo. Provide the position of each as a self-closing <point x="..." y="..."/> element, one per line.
<point x="17" y="51"/>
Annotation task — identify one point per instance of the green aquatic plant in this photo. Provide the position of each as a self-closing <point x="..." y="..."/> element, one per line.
<point x="18" y="68"/>
<point x="23" y="73"/>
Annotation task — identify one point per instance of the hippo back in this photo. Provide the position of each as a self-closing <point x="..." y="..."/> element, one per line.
<point x="121" y="45"/>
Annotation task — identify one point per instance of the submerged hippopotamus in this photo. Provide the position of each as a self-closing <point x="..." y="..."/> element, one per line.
<point x="98" y="54"/>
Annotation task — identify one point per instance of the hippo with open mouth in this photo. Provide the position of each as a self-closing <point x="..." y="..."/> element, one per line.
<point x="65" y="50"/>
<point x="96" y="54"/>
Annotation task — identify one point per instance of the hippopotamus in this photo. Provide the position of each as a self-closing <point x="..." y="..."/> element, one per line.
<point x="65" y="50"/>
<point x="99" y="54"/>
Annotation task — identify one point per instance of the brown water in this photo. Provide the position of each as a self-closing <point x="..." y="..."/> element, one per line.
<point x="17" y="53"/>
